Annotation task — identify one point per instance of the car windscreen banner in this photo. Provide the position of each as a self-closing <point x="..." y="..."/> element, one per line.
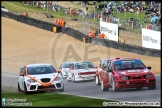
<point x="110" y="30"/>
<point x="151" y="39"/>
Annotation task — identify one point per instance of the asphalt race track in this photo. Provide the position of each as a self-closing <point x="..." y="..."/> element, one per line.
<point x="91" y="89"/>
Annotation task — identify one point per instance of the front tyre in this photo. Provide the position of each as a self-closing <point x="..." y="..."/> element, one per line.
<point x="19" y="90"/>
<point x="25" y="89"/>
<point x="73" y="78"/>
<point x="114" y="86"/>
<point x="102" y="86"/>
<point x="97" y="80"/>
<point x="67" y="78"/>
<point x="61" y="90"/>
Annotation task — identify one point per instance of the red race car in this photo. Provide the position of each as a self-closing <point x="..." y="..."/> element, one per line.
<point x="127" y="73"/>
<point x="103" y="64"/>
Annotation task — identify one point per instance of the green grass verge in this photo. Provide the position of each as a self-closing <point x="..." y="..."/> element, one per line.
<point x="40" y="99"/>
<point x="55" y="99"/>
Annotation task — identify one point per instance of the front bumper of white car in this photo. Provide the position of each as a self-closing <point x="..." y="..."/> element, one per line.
<point x="36" y="86"/>
<point x="83" y="77"/>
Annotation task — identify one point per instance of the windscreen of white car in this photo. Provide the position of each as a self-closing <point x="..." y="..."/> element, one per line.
<point x="129" y="64"/>
<point x="67" y="65"/>
<point x="41" y="69"/>
<point x="84" y="65"/>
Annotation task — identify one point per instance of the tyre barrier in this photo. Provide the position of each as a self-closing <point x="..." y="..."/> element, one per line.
<point x="82" y="37"/>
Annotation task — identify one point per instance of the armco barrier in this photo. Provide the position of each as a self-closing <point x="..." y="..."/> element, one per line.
<point x="8" y="15"/>
<point x="36" y="23"/>
<point x="30" y="21"/>
<point x="82" y="37"/>
<point x="127" y="47"/>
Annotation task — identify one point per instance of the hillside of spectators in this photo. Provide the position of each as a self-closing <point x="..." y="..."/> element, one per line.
<point x="106" y="10"/>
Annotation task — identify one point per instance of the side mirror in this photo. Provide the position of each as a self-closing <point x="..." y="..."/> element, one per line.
<point x="59" y="71"/>
<point x="149" y="67"/>
<point x="21" y="69"/>
<point x="96" y="66"/>
<point x="21" y="74"/>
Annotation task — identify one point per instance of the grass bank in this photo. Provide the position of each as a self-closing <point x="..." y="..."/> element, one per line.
<point x="52" y="99"/>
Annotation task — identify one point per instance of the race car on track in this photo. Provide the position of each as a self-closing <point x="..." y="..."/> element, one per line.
<point x="81" y="71"/>
<point x="38" y="77"/>
<point x="65" y="67"/>
<point x="102" y="66"/>
<point x="127" y="73"/>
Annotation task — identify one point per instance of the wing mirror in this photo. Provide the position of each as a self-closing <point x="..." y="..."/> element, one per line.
<point x="149" y="67"/>
<point x="21" y="69"/>
<point x="21" y="74"/>
<point x="96" y="66"/>
<point x="59" y="71"/>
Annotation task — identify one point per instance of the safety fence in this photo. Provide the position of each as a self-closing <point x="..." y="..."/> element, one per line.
<point x="83" y="37"/>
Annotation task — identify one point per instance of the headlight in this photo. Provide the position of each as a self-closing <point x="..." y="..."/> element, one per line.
<point x="58" y="79"/>
<point x="148" y="76"/>
<point x="124" y="78"/>
<point x="31" y="81"/>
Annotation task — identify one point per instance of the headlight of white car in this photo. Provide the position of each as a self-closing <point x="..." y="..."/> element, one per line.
<point x="148" y="76"/>
<point x="31" y="81"/>
<point x="58" y="79"/>
<point x="124" y="78"/>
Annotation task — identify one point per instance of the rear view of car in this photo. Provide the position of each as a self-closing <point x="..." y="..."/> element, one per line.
<point x="39" y="77"/>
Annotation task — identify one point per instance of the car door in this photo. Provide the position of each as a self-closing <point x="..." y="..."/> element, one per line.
<point x="109" y="72"/>
<point x="105" y="74"/>
<point x="21" y="78"/>
<point x="102" y="68"/>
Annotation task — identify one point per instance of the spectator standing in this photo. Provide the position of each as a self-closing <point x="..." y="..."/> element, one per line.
<point x="58" y="7"/>
<point x="86" y="7"/>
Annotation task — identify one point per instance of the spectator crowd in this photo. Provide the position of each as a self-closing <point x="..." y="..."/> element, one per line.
<point x="106" y="11"/>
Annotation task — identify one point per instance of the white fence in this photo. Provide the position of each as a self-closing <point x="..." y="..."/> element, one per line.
<point x="151" y="39"/>
<point x="110" y="30"/>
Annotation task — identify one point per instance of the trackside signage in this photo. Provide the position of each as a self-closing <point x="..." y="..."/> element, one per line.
<point x="110" y="30"/>
<point x="151" y="39"/>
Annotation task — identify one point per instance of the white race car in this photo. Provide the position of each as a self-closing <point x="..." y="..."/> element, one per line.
<point x="81" y="71"/>
<point x="65" y="67"/>
<point x="35" y="77"/>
